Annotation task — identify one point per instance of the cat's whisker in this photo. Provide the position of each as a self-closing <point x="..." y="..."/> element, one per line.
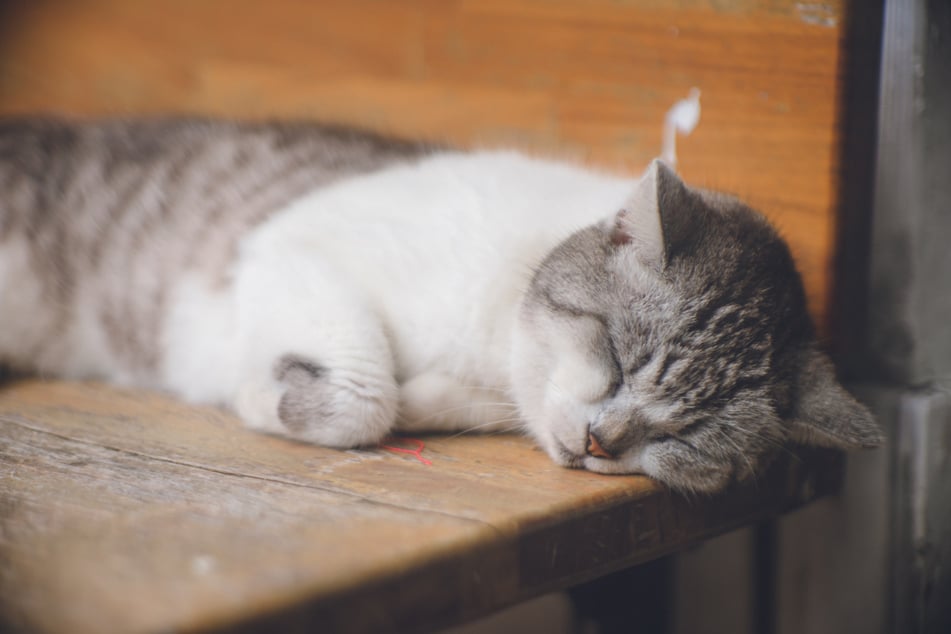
<point x="749" y="463"/>
<point x="504" y="421"/>
<point x="560" y="389"/>
<point x="464" y="407"/>
<point x="487" y="388"/>
<point x="772" y="441"/>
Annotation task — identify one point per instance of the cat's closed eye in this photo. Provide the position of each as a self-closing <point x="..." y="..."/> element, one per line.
<point x="639" y="362"/>
<point x="671" y="360"/>
<point x="672" y="438"/>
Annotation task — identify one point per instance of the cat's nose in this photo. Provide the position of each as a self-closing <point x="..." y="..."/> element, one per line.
<point x="595" y="449"/>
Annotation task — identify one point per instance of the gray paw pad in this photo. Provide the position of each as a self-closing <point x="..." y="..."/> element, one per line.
<point x="301" y="404"/>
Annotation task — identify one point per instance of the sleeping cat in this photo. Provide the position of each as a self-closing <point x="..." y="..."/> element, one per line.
<point x="334" y="286"/>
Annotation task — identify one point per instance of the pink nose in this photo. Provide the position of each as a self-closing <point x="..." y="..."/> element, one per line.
<point x="595" y="448"/>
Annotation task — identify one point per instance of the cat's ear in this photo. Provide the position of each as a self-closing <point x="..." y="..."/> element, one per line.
<point x="653" y="219"/>
<point x="825" y="415"/>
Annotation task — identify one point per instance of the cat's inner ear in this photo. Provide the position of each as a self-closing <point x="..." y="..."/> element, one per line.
<point x="638" y="222"/>
<point x="825" y="415"/>
<point x="651" y="218"/>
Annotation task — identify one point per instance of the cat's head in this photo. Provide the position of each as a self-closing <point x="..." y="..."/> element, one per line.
<point x="672" y="339"/>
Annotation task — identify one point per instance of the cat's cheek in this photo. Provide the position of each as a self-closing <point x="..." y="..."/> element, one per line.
<point x="570" y="420"/>
<point x="584" y="381"/>
<point x="560" y="428"/>
<point x="549" y="433"/>
<point x="559" y="454"/>
<point x="685" y="471"/>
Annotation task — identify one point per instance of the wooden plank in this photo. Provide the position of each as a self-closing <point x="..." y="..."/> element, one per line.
<point x="590" y="80"/>
<point x="128" y="511"/>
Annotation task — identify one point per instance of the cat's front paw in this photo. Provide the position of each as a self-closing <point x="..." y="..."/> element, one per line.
<point x="307" y="401"/>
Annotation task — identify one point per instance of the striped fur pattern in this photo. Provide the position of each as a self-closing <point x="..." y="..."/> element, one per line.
<point x="114" y="205"/>
<point x="332" y="286"/>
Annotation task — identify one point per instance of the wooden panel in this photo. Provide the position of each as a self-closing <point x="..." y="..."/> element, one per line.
<point x="588" y="80"/>
<point x="125" y="511"/>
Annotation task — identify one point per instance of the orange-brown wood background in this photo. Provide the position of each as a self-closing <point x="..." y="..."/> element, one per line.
<point x="586" y="80"/>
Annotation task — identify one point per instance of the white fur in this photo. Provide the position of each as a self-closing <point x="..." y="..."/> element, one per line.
<point x="201" y="342"/>
<point x="404" y="283"/>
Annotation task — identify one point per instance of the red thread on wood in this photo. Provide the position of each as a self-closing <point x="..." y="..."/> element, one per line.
<point x="420" y="445"/>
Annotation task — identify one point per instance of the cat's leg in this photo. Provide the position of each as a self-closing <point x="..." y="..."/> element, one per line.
<point x="315" y="364"/>
<point x="438" y="402"/>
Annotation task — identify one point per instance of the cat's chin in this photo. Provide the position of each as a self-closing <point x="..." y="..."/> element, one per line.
<point x="630" y="464"/>
<point x="640" y="462"/>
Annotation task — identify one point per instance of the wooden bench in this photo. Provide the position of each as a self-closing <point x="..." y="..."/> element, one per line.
<point x="124" y="511"/>
<point x="127" y="511"/>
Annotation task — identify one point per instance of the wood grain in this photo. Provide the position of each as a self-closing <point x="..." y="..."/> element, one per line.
<point x="128" y="511"/>
<point x="586" y="80"/>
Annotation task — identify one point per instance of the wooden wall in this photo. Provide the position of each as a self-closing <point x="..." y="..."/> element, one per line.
<point x="589" y="80"/>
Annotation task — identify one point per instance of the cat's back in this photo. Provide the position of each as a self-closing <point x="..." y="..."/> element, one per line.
<point x="99" y="218"/>
<point x="56" y="172"/>
<point x="88" y="197"/>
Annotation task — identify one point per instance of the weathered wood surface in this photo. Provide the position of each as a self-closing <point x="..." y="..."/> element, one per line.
<point x="125" y="511"/>
<point x="583" y="79"/>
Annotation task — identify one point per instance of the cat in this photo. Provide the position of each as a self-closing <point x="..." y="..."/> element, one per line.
<point x="334" y="286"/>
